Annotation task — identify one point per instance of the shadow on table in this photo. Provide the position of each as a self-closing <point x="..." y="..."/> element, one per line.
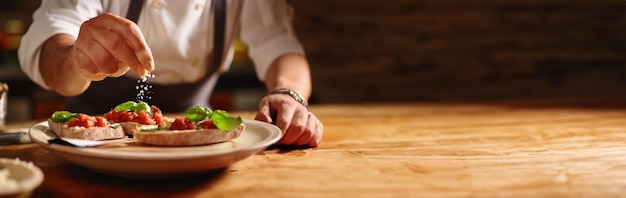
<point x="83" y="180"/>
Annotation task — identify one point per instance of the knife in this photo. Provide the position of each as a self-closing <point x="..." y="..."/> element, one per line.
<point x="14" y="138"/>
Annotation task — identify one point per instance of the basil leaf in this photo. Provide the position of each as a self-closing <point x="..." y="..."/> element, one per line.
<point x="127" y="106"/>
<point x="225" y="121"/>
<point x="143" y="106"/>
<point x="196" y="113"/>
<point x="207" y="111"/>
<point x="62" y="116"/>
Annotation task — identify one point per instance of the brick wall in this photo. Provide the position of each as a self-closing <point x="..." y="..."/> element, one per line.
<point x="407" y="50"/>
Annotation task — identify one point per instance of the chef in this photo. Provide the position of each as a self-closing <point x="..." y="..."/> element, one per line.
<point x="94" y="52"/>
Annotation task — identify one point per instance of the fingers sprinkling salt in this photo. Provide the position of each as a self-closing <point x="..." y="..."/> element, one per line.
<point x="143" y="89"/>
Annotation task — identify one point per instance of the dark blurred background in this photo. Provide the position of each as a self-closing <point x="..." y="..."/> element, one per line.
<point x="417" y="50"/>
<point x="414" y="50"/>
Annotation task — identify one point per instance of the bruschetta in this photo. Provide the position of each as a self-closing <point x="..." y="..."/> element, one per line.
<point x="187" y="137"/>
<point x="197" y="126"/>
<point x="133" y="115"/>
<point x="82" y="126"/>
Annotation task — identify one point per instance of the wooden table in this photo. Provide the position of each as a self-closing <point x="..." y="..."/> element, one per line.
<point x="547" y="148"/>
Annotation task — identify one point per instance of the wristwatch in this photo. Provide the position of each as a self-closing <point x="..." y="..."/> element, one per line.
<point x="293" y="94"/>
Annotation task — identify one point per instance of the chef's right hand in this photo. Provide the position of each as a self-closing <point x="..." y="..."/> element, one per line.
<point x="108" y="46"/>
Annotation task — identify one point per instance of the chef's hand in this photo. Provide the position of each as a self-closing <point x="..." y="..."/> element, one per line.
<point x="299" y="126"/>
<point x="108" y="46"/>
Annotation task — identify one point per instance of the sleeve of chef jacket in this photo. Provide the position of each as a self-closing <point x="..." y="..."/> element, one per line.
<point x="51" y="18"/>
<point x="267" y="30"/>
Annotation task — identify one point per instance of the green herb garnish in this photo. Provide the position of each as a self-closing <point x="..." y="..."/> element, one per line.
<point x="127" y="106"/>
<point x="143" y="106"/>
<point x="225" y="121"/>
<point x="115" y="125"/>
<point x="134" y="106"/>
<point x="197" y="113"/>
<point x="220" y="118"/>
<point x="62" y="116"/>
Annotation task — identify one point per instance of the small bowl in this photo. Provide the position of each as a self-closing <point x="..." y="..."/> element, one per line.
<point x="24" y="175"/>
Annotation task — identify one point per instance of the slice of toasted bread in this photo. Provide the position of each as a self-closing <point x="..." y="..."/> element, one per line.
<point x="131" y="127"/>
<point x="187" y="137"/>
<point x="91" y="133"/>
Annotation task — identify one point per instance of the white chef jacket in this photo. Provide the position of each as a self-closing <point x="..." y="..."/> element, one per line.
<point x="179" y="32"/>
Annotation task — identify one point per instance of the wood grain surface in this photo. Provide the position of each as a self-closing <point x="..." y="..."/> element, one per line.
<point x="540" y="148"/>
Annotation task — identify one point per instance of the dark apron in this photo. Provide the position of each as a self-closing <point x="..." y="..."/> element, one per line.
<point x="102" y="96"/>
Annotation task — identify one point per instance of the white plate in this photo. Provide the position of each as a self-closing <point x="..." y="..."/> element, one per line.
<point x="129" y="158"/>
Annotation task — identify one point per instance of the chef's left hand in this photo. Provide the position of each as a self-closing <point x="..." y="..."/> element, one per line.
<point x="299" y="126"/>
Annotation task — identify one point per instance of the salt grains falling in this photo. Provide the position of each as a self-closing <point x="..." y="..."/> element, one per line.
<point x="143" y="88"/>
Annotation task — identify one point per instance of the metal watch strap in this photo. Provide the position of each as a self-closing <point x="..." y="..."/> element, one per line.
<point x="293" y="94"/>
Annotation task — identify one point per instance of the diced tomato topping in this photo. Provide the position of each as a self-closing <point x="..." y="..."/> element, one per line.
<point x="155" y="109"/>
<point x="116" y="116"/>
<point x="75" y="122"/>
<point x="158" y="118"/>
<point x="207" y="124"/>
<point x="157" y="115"/>
<point x="83" y="120"/>
<point x="144" y="118"/>
<point x="89" y="122"/>
<point x="101" y="122"/>
<point x="127" y="116"/>
<point x="181" y="123"/>
<point x="113" y="116"/>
